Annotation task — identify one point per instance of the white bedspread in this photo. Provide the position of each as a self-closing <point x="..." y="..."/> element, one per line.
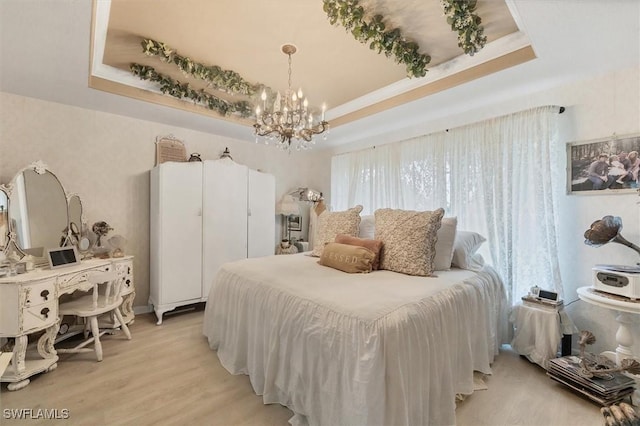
<point x="355" y="349"/>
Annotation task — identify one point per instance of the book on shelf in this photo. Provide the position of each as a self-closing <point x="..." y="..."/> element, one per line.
<point x="537" y="302"/>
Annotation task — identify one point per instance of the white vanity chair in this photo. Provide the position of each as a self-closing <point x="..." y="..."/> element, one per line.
<point x="94" y="304"/>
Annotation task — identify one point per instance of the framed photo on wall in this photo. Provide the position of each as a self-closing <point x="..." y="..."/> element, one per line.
<point x="294" y="222"/>
<point x="604" y="166"/>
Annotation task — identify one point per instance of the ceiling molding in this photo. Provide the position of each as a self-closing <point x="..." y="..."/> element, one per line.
<point x="492" y="51"/>
<point x="440" y="77"/>
<point x="500" y="63"/>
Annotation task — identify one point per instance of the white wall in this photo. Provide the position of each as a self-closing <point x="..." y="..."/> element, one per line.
<point x="594" y="109"/>
<point x="106" y="159"/>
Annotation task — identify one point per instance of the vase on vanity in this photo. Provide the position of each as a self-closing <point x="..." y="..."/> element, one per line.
<point x="101" y="249"/>
<point x="117" y="242"/>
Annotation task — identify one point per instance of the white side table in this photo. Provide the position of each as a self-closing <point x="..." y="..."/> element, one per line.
<point x="539" y="330"/>
<point x="626" y="309"/>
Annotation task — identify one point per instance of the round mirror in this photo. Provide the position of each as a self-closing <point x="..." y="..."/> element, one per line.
<point x="38" y="211"/>
<point x="4" y="220"/>
<point x="84" y="244"/>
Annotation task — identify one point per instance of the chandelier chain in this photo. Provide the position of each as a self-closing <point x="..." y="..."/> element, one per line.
<point x="289" y="72"/>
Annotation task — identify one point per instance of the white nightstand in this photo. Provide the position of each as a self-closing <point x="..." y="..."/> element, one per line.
<point x="539" y="330"/>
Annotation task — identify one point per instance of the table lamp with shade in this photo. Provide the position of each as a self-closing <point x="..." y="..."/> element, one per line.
<point x="287" y="207"/>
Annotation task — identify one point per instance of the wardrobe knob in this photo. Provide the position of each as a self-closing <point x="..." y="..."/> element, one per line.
<point x="44" y="294"/>
<point x="45" y="312"/>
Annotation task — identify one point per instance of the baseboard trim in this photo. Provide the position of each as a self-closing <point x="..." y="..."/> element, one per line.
<point x="138" y="310"/>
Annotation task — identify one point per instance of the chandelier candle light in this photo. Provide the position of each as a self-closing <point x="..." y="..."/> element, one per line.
<point x="289" y="119"/>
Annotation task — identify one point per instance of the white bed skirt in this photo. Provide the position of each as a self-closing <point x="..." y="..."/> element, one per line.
<point x="344" y="349"/>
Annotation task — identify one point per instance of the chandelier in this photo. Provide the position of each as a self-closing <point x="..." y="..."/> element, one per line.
<point x="288" y="120"/>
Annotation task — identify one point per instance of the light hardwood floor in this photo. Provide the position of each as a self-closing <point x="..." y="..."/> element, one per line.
<point x="167" y="375"/>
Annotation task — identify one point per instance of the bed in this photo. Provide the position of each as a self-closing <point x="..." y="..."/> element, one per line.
<point x="355" y="349"/>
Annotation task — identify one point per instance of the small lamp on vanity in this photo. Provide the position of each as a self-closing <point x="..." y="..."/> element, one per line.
<point x="287" y="206"/>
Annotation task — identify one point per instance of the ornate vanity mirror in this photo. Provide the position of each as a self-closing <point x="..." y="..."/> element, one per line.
<point x="79" y="235"/>
<point x="4" y="220"/>
<point x="38" y="212"/>
<point x="75" y="219"/>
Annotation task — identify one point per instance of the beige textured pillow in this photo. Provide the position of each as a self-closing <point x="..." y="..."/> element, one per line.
<point x="444" y="245"/>
<point x="330" y="224"/>
<point x="409" y="239"/>
<point x="347" y="258"/>
<point x="374" y="245"/>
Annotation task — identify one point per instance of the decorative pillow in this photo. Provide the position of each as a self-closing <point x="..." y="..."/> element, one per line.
<point x="409" y="239"/>
<point x="374" y="245"/>
<point x="367" y="227"/>
<point x="330" y="224"/>
<point x="444" y="245"/>
<point x="464" y="248"/>
<point x="476" y="263"/>
<point x="347" y="258"/>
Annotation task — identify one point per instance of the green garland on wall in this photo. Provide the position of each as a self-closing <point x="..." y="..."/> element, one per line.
<point x="184" y="91"/>
<point x="460" y="16"/>
<point x="224" y="80"/>
<point x="391" y="42"/>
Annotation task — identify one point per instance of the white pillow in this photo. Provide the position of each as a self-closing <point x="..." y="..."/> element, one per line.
<point x="444" y="246"/>
<point x="464" y="250"/>
<point x="367" y="227"/>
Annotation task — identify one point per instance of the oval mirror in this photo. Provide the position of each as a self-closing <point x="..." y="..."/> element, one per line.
<point x="84" y="244"/>
<point x="75" y="218"/>
<point x="4" y="220"/>
<point x="38" y="211"/>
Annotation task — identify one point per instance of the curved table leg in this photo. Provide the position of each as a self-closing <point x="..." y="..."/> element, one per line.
<point x="159" y="313"/>
<point x="18" y="385"/>
<point x="624" y="339"/>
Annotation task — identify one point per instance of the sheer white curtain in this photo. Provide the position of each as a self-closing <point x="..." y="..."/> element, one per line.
<point x="495" y="176"/>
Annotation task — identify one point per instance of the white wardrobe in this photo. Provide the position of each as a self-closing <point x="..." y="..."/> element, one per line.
<point x="204" y="214"/>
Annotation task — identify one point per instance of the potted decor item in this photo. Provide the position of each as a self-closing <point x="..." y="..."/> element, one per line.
<point x="101" y="229"/>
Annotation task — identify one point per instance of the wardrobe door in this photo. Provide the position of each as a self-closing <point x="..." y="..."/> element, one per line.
<point x="176" y="233"/>
<point x="224" y="217"/>
<point x="262" y="214"/>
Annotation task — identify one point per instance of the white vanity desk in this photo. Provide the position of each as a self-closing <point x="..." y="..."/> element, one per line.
<point x="29" y="304"/>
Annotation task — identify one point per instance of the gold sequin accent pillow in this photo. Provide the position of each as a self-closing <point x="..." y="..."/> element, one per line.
<point x="331" y="224"/>
<point x="347" y="258"/>
<point x="409" y="240"/>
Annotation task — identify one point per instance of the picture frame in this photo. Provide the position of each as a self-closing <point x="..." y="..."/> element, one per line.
<point x="61" y="257"/>
<point x="294" y="222"/>
<point x="168" y="148"/>
<point x="618" y="173"/>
